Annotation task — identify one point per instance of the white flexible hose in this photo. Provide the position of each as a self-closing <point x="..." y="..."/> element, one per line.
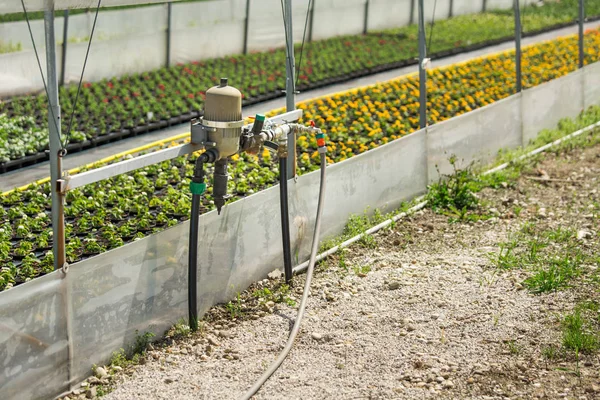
<point x="309" y="274"/>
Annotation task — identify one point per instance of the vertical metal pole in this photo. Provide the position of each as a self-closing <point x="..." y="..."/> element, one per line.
<point x="518" y="45"/>
<point x="412" y="12"/>
<point x="451" y="10"/>
<point x="312" y="20"/>
<point x="366" y="22"/>
<point x="422" y="72"/>
<point x="246" y="26"/>
<point x="290" y="96"/>
<point x="581" y="21"/>
<point x="484" y="6"/>
<point x="63" y="56"/>
<point x="169" y="11"/>
<point x="58" y="220"/>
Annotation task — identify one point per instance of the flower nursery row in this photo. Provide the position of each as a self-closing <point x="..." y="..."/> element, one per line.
<point x="134" y="104"/>
<point x="107" y="214"/>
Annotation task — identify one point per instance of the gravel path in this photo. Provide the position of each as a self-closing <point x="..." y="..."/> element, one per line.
<point x="420" y="314"/>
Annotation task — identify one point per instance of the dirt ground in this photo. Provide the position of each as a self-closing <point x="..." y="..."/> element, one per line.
<point x="424" y="310"/>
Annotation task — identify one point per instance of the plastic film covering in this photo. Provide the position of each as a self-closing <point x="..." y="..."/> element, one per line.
<point x="209" y="29"/>
<point x="386" y="14"/>
<point x="548" y="103"/>
<point x="143" y="286"/>
<point x="338" y="17"/>
<point x="461" y="7"/>
<point x="477" y="135"/>
<point x="378" y="179"/>
<point x="33" y="340"/>
<point x="591" y="84"/>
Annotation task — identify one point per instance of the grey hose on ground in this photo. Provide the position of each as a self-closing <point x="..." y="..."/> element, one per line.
<point x="311" y="267"/>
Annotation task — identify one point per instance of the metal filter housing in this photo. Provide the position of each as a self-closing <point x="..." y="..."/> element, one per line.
<point x="224" y="104"/>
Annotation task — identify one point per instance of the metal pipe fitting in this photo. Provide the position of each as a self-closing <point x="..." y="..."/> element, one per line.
<point x="220" y="184"/>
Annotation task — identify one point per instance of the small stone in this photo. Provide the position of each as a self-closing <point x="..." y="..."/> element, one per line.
<point x="470" y="381"/>
<point x="276" y="274"/>
<point x="593" y="389"/>
<point x="91" y="393"/>
<point x="394" y="285"/>
<point x="204" y="357"/>
<point x="225" y="334"/>
<point x="447" y="385"/>
<point x="184" y="351"/>
<point x="168" y="380"/>
<point x="84" y="384"/>
<point x="101" y="372"/>
<point x="117" y="368"/>
<point x="411" y="328"/>
<point x="170" y="360"/>
<point x="440" y="379"/>
<point x="213" y="341"/>
<point x="583" y="234"/>
<point x="316" y="336"/>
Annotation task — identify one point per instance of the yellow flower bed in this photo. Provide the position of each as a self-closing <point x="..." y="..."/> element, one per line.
<point x="362" y="119"/>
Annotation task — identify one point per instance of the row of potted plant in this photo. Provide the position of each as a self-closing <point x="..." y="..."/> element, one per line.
<point x="151" y="100"/>
<point x="107" y="214"/>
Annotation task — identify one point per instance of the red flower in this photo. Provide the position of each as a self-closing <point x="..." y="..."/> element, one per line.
<point x="87" y="85"/>
<point x="382" y="41"/>
<point x="105" y="100"/>
<point x="136" y="94"/>
<point x="110" y="85"/>
<point x="161" y="86"/>
<point x="190" y="95"/>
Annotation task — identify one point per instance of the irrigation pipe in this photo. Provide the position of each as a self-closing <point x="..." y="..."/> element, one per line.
<point x="422" y="203"/>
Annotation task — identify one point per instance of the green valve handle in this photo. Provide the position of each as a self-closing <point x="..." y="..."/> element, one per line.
<point x="197" y="188"/>
<point x="259" y="123"/>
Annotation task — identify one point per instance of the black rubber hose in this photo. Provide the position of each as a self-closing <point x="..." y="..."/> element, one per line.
<point x="192" y="261"/>
<point x="198" y="178"/>
<point x="285" y="219"/>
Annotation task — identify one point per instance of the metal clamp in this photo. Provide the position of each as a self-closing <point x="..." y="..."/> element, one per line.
<point x="222" y="125"/>
<point x="65" y="268"/>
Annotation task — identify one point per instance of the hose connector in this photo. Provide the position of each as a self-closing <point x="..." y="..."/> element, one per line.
<point x="322" y="146"/>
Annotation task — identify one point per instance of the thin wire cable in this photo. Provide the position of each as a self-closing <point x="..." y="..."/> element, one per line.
<point x="303" y="39"/>
<point x="87" y="53"/>
<point x="37" y="57"/>
<point x="432" y="25"/>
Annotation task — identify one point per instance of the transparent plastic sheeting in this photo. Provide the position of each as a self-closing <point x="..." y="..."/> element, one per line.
<point x="548" y="103"/>
<point x="33" y="339"/>
<point x="143" y="286"/>
<point x="477" y="135"/>
<point x="591" y="85"/>
<point x="134" y="40"/>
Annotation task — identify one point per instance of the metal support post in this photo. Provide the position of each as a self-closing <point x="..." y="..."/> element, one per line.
<point x="484" y="6"/>
<point x="451" y="10"/>
<point x="412" y="12"/>
<point x="312" y="20"/>
<point x="169" y="11"/>
<point x="58" y="216"/>
<point x="422" y="71"/>
<point x="581" y="21"/>
<point x="290" y="96"/>
<point x="63" y="56"/>
<point x="366" y="22"/>
<point x="518" y="45"/>
<point x="246" y="26"/>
